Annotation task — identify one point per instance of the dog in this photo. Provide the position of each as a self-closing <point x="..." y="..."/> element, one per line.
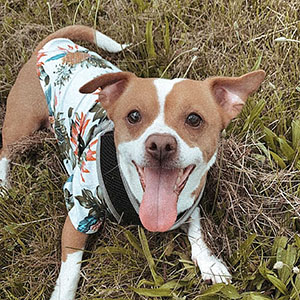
<point x="163" y="136"/>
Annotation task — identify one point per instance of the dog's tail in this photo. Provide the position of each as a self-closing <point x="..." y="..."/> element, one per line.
<point x="85" y="33"/>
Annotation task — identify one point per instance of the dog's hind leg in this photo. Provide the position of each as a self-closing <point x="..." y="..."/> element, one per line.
<point x="26" y="112"/>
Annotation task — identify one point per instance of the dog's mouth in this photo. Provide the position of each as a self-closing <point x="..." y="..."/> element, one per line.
<point x="162" y="187"/>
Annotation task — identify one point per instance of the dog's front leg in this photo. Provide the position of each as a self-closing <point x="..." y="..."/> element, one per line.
<point x="73" y="244"/>
<point x="213" y="269"/>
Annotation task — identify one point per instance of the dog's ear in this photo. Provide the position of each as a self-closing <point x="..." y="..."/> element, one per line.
<point x="110" y="86"/>
<point x="231" y="93"/>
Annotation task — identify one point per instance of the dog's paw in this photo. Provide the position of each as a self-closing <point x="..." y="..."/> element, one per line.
<point x="62" y="295"/>
<point x="4" y="166"/>
<point x="213" y="270"/>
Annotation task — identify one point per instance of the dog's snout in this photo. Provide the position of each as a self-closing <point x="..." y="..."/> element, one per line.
<point x="161" y="146"/>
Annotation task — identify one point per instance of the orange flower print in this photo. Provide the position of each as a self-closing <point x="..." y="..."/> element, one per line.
<point x="61" y="48"/>
<point x="96" y="226"/>
<point x="83" y="169"/>
<point x="40" y="55"/>
<point x="38" y="70"/>
<point x="82" y="123"/>
<point x="90" y="155"/>
<point x="70" y="48"/>
<point x="51" y="120"/>
<point x="98" y="91"/>
<point x="55" y="100"/>
<point x="93" y="143"/>
<point x="78" y="129"/>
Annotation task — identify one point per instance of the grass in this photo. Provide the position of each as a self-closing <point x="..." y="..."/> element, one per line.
<point x="252" y="203"/>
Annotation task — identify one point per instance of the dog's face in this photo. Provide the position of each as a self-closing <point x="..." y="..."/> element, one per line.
<point x="166" y="135"/>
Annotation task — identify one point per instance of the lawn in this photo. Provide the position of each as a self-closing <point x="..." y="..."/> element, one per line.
<point x="251" y="206"/>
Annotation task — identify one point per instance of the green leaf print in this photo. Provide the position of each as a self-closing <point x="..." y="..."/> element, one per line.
<point x="64" y="72"/>
<point x="61" y="135"/>
<point x="87" y="200"/>
<point x="68" y="199"/>
<point x="95" y="62"/>
<point x="70" y="112"/>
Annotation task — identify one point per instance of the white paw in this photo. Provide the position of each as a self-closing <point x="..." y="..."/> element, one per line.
<point x="213" y="270"/>
<point x="67" y="281"/>
<point x="4" y="166"/>
<point x="62" y="293"/>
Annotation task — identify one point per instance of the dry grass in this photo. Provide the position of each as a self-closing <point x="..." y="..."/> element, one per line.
<point x="251" y="207"/>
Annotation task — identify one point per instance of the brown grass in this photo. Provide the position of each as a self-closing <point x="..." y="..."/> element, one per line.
<point x="250" y="202"/>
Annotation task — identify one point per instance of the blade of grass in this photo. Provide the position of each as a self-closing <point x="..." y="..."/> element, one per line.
<point x="167" y="36"/>
<point x="157" y="279"/>
<point x="149" y="41"/>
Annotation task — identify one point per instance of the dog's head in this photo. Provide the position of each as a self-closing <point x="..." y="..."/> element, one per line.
<point x="166" y="135"/>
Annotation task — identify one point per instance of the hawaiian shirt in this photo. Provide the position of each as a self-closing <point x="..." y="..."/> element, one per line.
<point x="77" y="120"/>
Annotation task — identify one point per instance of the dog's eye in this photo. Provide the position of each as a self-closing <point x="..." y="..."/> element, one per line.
<point x="134" y="117"/>
<point x="193" y="120"/>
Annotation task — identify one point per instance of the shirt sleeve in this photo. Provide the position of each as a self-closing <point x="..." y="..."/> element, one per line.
<point x="83" y="196"/>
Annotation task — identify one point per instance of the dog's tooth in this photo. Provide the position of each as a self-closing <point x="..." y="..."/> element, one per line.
<point x="143" y="185"/>
<point x="180" y="173"/>
<point x="178" y="180"/>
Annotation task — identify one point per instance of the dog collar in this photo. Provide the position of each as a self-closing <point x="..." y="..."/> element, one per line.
<point x="116" y="194"/>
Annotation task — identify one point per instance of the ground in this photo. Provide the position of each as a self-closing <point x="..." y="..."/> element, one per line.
<point x="251" y="206"/>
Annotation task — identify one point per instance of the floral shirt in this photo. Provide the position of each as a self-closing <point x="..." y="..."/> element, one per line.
<point x="77" y="120"/>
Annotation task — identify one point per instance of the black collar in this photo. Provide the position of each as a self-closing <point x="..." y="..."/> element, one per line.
<point x="115" y="195"/>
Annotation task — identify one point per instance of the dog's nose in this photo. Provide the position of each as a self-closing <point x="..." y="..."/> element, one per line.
<point x="161" y="146"/>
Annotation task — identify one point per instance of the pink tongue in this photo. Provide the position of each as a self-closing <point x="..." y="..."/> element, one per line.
<point x="158" y="210"/>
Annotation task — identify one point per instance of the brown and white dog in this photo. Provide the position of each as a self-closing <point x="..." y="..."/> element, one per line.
<point x="166" y="136"/>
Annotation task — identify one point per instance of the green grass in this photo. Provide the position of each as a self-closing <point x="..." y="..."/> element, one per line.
<point x="252" y="203"/>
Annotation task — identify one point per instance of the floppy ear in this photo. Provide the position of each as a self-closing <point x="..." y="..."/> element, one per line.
<point x="231" y="93"/>
<point x="110" y="86"/>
